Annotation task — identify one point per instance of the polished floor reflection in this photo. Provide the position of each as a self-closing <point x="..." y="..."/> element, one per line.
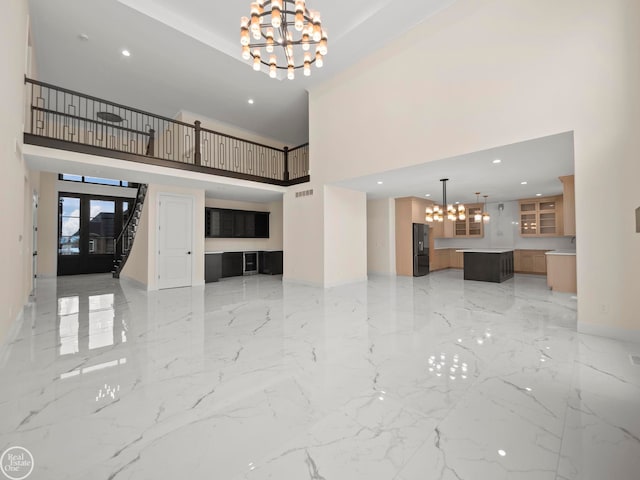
<point x="398" y="378"/>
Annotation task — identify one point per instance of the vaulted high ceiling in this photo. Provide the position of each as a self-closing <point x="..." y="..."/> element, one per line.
<point x="185" y="55"/>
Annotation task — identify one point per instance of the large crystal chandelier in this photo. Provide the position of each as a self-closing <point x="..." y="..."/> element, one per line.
<point x="280" y="34"/>
<point x="436" y="213"/>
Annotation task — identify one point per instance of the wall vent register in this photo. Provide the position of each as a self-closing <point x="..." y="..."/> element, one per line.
<point x="304" y="193"/>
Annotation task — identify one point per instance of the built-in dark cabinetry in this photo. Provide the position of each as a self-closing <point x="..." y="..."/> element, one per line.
<point x="226" y="223"/>
<point x="212" y="267"/>
<point x="270" y="263"/>
<point x="232" y="264"/>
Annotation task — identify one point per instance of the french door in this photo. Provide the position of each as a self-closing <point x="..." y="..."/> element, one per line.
<point x="88" y="226"/>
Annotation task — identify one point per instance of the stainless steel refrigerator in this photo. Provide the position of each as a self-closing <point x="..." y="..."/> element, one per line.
<point x="420" y="250"/>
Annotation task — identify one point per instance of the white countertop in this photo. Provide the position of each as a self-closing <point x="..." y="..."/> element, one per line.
<point x="486" y="250"/>
<point x="561" y="252"/>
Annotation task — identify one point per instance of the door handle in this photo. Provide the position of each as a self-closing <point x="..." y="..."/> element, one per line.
<point x="188" y="253"/>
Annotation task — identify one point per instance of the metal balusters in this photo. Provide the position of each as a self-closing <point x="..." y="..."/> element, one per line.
<point x="66" y="116"/>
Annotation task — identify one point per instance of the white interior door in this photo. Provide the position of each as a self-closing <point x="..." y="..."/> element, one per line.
<point x="175" y="241"/>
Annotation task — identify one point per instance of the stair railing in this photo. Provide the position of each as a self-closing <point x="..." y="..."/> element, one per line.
<point x="124" y="241"/>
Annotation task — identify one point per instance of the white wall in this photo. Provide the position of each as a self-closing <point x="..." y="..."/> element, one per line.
<point x="16" y="182"/>
<point x="48" y="225"/>
<point x="345" y="236"/>
<point x="494" y="72"/>
<point x="228" y="129"/>
<point x="503" y="231"/>
<point x="381" y="244"/>
<point x="274" y="242"/>
<point x="303" y="235"/>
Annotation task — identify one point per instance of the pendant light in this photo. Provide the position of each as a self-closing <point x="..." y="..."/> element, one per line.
<point x="478" y="215"/>
<point x="485" y="213"/>
<point x="436" y="213"/>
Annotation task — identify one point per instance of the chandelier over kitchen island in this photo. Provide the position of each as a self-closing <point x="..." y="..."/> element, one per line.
<point x="436" y="213"/>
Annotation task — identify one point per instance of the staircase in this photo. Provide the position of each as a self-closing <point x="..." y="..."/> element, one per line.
<point x="124" y="242"/>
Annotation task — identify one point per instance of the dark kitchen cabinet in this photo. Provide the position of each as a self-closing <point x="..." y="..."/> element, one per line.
<point x="270" y="263"/>
<point x="226" y="223"/>
<point x="232" y="264"/>
<point x="212" y="267"/>
<point x="262" y="225"/>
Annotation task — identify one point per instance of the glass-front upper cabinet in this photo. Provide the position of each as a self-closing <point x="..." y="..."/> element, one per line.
<point x="469" y="227"/>
<point x="541" y="217"/>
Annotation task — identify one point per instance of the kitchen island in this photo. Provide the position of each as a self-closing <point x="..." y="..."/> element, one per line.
<point x="488" y="264"/>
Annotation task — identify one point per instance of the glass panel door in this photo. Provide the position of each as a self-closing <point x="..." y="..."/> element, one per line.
<point x="87" y="228"/>
<point x="69" y="239"/>
<point x="528" y="224"/>
<point x="547" y="223"/>
<point x="101" y="227"/>
<point x="475" y="228"/>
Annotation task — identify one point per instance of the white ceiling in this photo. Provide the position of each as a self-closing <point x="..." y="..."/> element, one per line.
<point x="185" y="55"/>
<point x="538" y="162"/>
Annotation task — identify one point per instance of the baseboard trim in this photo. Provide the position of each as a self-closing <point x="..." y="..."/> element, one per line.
<point x="10" y="337"/>
<point x="290" y="281"/>
<point x="346" y="282"/>
<point x="617" y="333"/>
<point x="46" y="276"/>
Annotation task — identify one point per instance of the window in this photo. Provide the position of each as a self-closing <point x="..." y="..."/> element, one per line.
<point x="100" y="181"/>
<point x="69" y="243"/>
<point x="102" y="230"/>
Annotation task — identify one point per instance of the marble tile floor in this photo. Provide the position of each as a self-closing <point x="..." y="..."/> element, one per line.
<point x="250" y="379"/>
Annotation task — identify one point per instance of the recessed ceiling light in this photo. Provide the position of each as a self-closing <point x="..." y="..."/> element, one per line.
<point x="380" y="182"/>
<point x="126" y="53"/>
<point x="250" y="101"/>
<point x="497" y="160"/>
<point x="427" y="194"/>
<point x="538" y="194"/>
<point x="457" y="203"/>
<point x="83" y="36"/>
<point x="523" y="183"/>
<point x="502" y="453"/>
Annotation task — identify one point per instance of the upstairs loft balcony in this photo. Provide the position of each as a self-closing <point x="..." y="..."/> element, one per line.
<point x="67" y="120"/>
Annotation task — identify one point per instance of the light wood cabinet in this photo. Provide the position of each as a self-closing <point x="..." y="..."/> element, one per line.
<point x="569" y="204"/>
<point x="442" y="229"/>
<point x="456" y="259"/>
<point x="561" y="276"/>
<point x="530" y="261"/>
<point x="439" y="259"/>
<point x="469" y="227"/>
<point x="541" y="217"/>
